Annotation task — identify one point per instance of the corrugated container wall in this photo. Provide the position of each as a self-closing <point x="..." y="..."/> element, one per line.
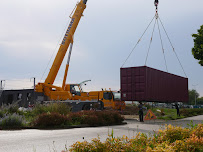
<point x="148" y="84"/>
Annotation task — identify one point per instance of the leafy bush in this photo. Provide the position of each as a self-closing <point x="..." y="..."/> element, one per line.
<point x="96" y="118"/>
<point x="1" y="113"/>
<point x="39" y="109"/>
<point x="76" y="118"/>
<point x="190" y="140"/>
<point x="11" y="108"/>
<point x="172" y="134"/>
<point x="61" y="108"/>
<point x="111" y="117"/>
<point x="198" y="131"/>
<point x="12" y="121"/>
<point x="191" y="112"/>
<point x="51" y="120"/>
<point x="131" y="110"/>
<point x="91" y="120"/>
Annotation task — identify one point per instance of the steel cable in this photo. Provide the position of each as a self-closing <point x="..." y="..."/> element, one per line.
<point x="172" y="47"/>
<point x="138" y="42"/>
<point x="162" y="45"/>
<point x="150" y="42"/>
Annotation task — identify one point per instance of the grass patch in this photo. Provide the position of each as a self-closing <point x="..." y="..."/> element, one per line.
<point x="164" y="113"/>
<point x="171" y="114"/>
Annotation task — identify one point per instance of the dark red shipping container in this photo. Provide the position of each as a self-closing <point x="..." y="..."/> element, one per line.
<point x="152" y="85"/>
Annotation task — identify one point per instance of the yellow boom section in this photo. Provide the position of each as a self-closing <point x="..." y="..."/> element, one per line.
<point x="68" y="38"/>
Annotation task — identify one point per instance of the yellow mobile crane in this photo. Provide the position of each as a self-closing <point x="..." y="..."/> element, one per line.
<point x="73" y="93"/>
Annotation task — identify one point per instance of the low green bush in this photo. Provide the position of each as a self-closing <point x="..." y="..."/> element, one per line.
<point x="172" y="134"/>
<point x="1" y="113"/>
<point x="11" y="108"/>
<point x="131" y="110"/>
<point x="12" y="121"/>
<point x="77" y="118"/>
<point x="55" y="115"/>
<point x="111" y="117"/>
<point x="191" y="112"/>
<point x="96" y="118"/>
<point x="61" y="108"/>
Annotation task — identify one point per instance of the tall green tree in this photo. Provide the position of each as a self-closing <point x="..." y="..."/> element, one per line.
<point x="200" y="101"/>
<point x="197" y="50"/>
<point x="192" y="95"/>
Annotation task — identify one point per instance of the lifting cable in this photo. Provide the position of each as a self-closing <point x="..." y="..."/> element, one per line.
<point x="150" y="42"/>
<point x="138" y="41"/>
<point x="156" y="22"/>
<point x="157" y="19"/>
<point x="173" y="47"/>
<point x="162" y="43"/>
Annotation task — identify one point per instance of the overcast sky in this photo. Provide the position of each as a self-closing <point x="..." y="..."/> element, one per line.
<point x="31" y="31"/>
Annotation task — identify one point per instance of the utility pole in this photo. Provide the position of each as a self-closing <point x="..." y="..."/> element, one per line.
<point x="2" y="84"/>
<point x="195" y="93"/>
<point x="34" y="82"/>
<point x="33" y="86"/>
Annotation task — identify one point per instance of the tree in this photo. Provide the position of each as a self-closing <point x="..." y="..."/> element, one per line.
<point x="192" y="95"/>
<point x="200" y="101"/>
<point x="197" y="50"/>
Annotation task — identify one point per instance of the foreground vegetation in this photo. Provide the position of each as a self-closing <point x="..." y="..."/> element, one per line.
<point x="172" y="139"/>
<point x="55" y="115"/>
<point x="59" y="115"/>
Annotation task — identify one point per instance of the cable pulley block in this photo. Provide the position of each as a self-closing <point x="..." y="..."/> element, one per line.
<point x="156" y="2"/>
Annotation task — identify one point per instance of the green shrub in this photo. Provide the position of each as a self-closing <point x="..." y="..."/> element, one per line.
<point x="112" y="117"/>
<point x="76" y="118"/>
<point x="172" y="134"/>
<point x="13" y="108"/>
<point x="12" y="121"/>
<point x="162" y="112"/>
<point x="61" y="108"/>
<point x="91" y="120"/>
<point x="39" y="109"/>
<point x="131" y="110"/>
<point x="96" y="118"/>
<point x="51" y="120"/>
<point x="191" y="112"/>
<point x="198" y="130"/>
<point x="1" y="113"/>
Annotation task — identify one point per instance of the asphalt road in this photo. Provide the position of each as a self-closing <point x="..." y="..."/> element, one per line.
<point x="33" y="140"/>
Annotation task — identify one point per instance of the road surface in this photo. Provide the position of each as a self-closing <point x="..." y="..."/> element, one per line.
<point x="34" y="140"/>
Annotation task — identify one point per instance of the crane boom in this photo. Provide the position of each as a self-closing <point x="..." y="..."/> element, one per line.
<point x="68" y="38"/>
<point x="55" y="92"/>
<point x="73" y="93"/>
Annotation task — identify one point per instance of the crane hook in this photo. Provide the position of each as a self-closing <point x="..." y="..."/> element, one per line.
<point x="156" y="2"/>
